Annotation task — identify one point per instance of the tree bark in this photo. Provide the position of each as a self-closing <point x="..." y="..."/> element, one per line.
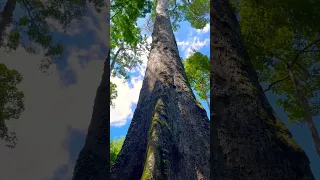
<point x="93" y="161"/>
<point x="168" y="137"/>
<point x="6" y="17"/>
<point x="306" y="108"/>
<point x="248" y="141"/>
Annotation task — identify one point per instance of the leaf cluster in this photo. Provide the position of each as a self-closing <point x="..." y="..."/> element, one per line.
<point x="11" y="102"/>
<point x="33" y="27"/>
<point x="115" y="147"/>
<point x="197" y="68"/>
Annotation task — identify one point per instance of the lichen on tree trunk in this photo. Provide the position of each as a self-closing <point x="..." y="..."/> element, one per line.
<point x="168" y="137"/>
<point x="248" y="141"/>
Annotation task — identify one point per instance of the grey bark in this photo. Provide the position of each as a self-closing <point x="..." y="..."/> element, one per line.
<point x="6" y="17"/>
<point x="248" y="141"/>
<point x="306" y="108"/>
<point x="168" y="137"/>
<point x="93" y="162"/>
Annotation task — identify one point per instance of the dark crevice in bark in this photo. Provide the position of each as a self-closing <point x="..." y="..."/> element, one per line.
<point x="248" y="141"/>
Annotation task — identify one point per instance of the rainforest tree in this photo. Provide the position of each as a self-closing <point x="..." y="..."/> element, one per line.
<point x="248" y="141"/>
<point x="168" y="137"/>
<point x="284" y="49"/>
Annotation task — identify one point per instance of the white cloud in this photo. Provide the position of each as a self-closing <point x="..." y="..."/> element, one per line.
<point x="192" y="44"/>
<point x="127" y="95"/>
<point x="205" y="29"/>
<point x="50" y="109"/>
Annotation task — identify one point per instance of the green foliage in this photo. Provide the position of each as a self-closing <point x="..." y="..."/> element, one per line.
<point x="11" y="102"/>
<point x="128" y="58"/>
<point x="113" y="93"/>
<point x="197" y="68"/>
<point x="115" y="147"/>
<point x="275" y="32"/>
<point x="197" y="13"/>
<point x="126" y="36"/>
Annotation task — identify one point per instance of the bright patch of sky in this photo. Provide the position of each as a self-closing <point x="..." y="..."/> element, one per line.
<point x="188" y="40"/>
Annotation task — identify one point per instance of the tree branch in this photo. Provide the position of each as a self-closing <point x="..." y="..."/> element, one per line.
<point x="278" y="81"/>
<point x="302" y="51"/>
<point x="175" y="6"/>
<point x="31" y="18"/>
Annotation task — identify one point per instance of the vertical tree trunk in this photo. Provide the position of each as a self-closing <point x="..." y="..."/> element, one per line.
<point x="114" y="59"/>
<point x="308" y="116"/>
<point x="208" y="103"/>
<point x="6" y="17"/>
<point x="248" y="141"/>
<point x="169" y="134"/>
<point x="93" y="161"/>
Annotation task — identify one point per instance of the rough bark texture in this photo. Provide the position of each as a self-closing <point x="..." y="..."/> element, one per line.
<point x="308" y="116"/>
<point x="6" y="17"/>
<point x="248" y="141"/>
<point x="93" y="161"/>
<point x="169" y="134"/>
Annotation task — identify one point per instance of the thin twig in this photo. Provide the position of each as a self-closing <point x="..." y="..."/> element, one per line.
<point x="175" y="6"/>
<point x="272" y="84"/>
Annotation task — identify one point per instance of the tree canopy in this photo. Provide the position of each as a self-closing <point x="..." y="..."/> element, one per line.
<point x="115" y="147"/>
<point x="282" y="37"/>
<point x="197" y="68"/>
<point x="11" y="102"/>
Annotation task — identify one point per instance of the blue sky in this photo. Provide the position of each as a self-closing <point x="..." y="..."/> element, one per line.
<point x="187" y="39"/>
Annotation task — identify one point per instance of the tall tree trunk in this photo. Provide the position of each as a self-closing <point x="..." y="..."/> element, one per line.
<point x="169" y="134"/>
<point x="306" y="108"/>
<point x="6" y="17"/>
<point x="248" y="141"/>
<point x="93" y="161"/>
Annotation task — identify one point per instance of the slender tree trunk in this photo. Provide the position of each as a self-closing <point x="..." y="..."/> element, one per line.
<point x="169" y="134"/>
<point x="6" y="17"/>
<point x="308" y="116"/>
<point x="114" y="60"/>
<point x="248" y="141"/>
<point x="208" y="103"/>
<point x="93" y="161"/>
